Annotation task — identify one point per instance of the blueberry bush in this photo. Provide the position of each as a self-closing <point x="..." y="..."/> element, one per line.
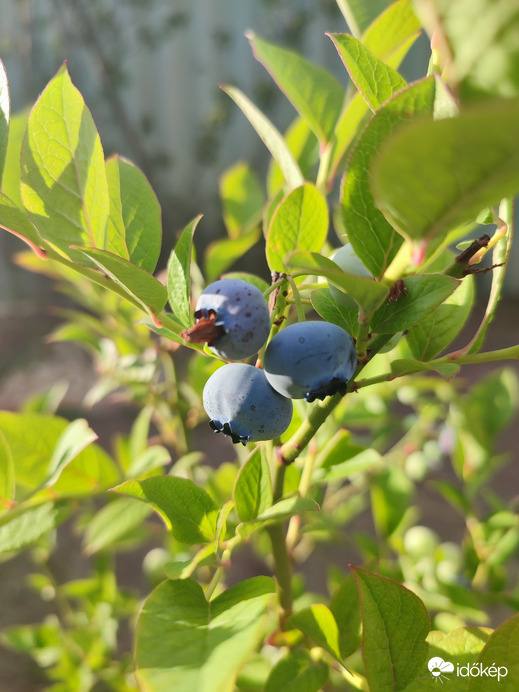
<point x="341" y="395"/>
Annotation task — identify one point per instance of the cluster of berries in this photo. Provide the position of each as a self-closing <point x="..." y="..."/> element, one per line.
<point x="306" y="360"/>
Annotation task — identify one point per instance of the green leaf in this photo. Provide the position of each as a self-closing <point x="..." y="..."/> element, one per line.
<point x="253" y="488"/>
<point x="345" y="607"/>
<point x="270" y="136"/>
<point x="32" y="439"/>
<point x="74" y="439"/>
<point x="179" y="274"/>
<point x="366" y="460"/>
<point x="11" y="181"/>
<point x="392" y="33"/>
<point x="5" y="114"/>
<point x="64" y="185"/>
<point x="304" y="146"/>
<point x="297" y="672"/>
<point x="7" y="477"/>
<point x="371" y="235"/>
<point x="359" y="14"/>
<point x="375" y="80"/>
<point x="391" y="496"/>
<point x="134" y="229"/>
<point x="461" y="648"/>
<point x="186" y="643"/>
<point x="242" y="199"/>
<point x="112" y="523"/>
<point x="389" y="38"/>
<point x="367" y="293"/>
<point x="464" y="164"/>
<point x="395" y="624"/>
<point x="318" y="623"/>
<point x="187" y="509"/>
<point x="284" y="509"/>
<point x="325" y="306"/>
<point x="482" y="47"/>
<point x="141" y="288"/>
<point x="26" y="527"/>
<point x="17" y="222"/>
<point x="316" y="95"/>
<point x="221" y="254"/>
<point x="424" y="294"/>
<point x="407" y="366"/>
<point x="299" y="223"/>
<point x="437" y="331"/>
<point x="500" y="651"/>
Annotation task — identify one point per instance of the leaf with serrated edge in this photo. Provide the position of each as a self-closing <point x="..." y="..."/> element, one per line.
<point x="373" y="238"/>
<point x="145" y="290"/>
<point x="186" y="643"/>
<point x="425" y="293"/>
<point x="270" y="136"/>
<point x="395" y="625"/>
<point x="135" y="224"/>
<point x="299" y="223"/>
<point x="463" y="165"/>
<point x="179" y="274"/>
<point x="315" y="93"/>
<point x="64" y="185"/>
<point x="375" y="80"/>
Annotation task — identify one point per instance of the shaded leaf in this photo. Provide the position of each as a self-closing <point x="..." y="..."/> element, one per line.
<point x="141" y="288"/>
<point x="5" y="114"/>
<point x="371" y="235"/>
<point x="27" y="526"/>
<point x="464" y="164"/>
<point x="395" y="624"/>
<point x="434" y="333"/>
<point x="112" y="523"/>
<point x="242" y="199"/>
<point x="297" y="672"/>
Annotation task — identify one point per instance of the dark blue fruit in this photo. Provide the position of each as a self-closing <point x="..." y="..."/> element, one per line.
<point x="241" y="403"/>
<point x="310" y="360"/>
<point x="232" y="318"/>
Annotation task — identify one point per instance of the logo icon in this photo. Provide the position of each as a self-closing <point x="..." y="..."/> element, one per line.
<point x="438" y="667"/>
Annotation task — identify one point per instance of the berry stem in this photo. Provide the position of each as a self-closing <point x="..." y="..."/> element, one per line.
<point x="293" y="447"/>
<point x="282" y="568"/>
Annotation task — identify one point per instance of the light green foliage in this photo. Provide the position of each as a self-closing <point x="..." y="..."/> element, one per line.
<point x="400" y="171"/>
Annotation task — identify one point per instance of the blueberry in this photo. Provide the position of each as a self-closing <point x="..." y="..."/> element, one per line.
<point x="241" y="403"/>
<point x="232" y="318"/>
<point x="348" y="261"/>
<point x="310" y="360"/>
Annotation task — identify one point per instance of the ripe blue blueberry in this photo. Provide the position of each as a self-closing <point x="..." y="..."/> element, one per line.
<point x="241" y="403"/>
<point x="348" y="261"/>
<point x="232" y="318"/>
<point x="310" y="360"/>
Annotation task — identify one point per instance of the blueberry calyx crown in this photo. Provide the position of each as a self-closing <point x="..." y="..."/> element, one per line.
<point x="207" y="329"/>
<point x="225" y="428"/>
<point x="334" y="386"/>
